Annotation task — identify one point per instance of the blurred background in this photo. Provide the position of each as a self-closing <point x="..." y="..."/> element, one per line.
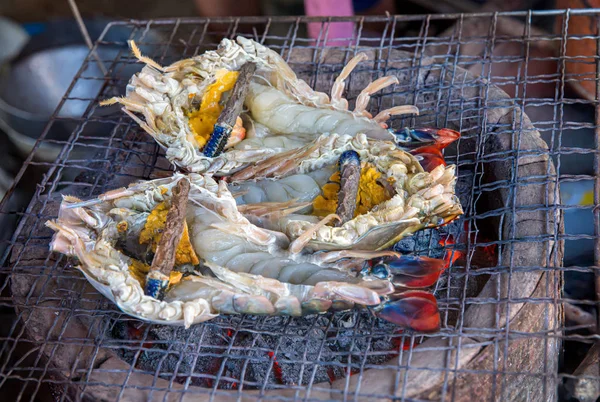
<point x="42" y="48"/>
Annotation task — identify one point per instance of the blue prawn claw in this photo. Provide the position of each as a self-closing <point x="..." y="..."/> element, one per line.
<point x="426" y="144"/>
<point x="415" y="310"/>
<point x="408" y="271"/>
<point x="418" y="137"/>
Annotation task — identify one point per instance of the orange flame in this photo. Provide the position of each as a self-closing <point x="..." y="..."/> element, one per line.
<point x="481" y="254"/>
<point x="450" y="255"/>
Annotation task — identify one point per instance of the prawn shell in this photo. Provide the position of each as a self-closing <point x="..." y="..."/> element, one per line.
<point x="316" y="306"/>
<point x="420" y="199"/>
<point x="160" y="98"/>
<point x="212" y="288"/>
<point x="378" y="238"/>
<point x="106" y="292"/>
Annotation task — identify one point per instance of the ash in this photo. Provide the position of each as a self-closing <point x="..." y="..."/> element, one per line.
<point x="263" y="351"/>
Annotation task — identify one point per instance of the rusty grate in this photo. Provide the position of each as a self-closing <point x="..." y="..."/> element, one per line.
<point x="501" y="298"/>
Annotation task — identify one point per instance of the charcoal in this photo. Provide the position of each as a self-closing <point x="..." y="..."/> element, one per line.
<point x="425" y="242"/>
<point x="275" y="351"/>
<point x="322" y="342"/>
<point x="464" y="187"/>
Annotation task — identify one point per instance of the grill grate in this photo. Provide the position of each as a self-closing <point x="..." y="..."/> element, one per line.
<point x="501" y="343"/>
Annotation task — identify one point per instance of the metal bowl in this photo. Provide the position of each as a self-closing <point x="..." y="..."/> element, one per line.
<point x="33" y="86"/>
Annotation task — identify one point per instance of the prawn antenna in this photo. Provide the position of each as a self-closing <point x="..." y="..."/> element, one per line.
<point x="147" y="60"/>
<point x="111" y="101"/>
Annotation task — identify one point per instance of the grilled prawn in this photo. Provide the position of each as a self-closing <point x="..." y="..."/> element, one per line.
<point x="314" y="191"/>
<point x="221" y="262"/>
<point x="193" y="107"/>
<point x="395" y="197"/>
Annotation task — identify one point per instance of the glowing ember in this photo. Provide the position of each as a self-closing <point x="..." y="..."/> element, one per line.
<point x="482" y="255"/>
<point x="404" y="342"/>
<point x="450" y="254"/>
<point x="139" y="333"/>
<point x="331" y="374"/>
<point x="276" y="368"/>
<point x="213" y="371"/>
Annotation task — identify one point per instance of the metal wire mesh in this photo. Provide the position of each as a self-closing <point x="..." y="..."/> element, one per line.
<point x="63" y="343"/>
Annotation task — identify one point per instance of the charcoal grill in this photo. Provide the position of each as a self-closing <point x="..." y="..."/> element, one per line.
<point x="501" y="301"/>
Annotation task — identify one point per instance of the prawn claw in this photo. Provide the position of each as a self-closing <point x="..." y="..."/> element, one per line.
<point x="408" y="271"/>
<point x="429" y="157"/>
<point x="415" y="310"/>
<point x="438" y="137"/>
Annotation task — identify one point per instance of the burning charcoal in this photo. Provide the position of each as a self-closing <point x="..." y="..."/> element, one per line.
<point x="297" y="347"/>
<point x="261" y="369"/>
<point x="299" y="354"/>
<point x="120" y="330"/>
<point x="297" y="351"/>
<point x="174" y="351"/>
<point x="426" y="242"/>
<point x="364" y="323"/>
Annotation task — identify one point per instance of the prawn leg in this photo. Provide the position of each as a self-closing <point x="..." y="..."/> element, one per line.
<point x="301" y="241"/>
<point x="362" y="101"/>
<point x="340" y="82"/>
<point x="277" y="165"/>
<point x="333" y="256"/>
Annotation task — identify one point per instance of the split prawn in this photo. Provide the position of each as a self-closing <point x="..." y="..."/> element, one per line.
<point x="419" y="199"/>
<point x="89" y="230"/>
<point x="180" y="104"/>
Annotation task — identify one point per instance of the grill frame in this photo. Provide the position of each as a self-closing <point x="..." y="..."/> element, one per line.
<point x="52" y="180"/>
